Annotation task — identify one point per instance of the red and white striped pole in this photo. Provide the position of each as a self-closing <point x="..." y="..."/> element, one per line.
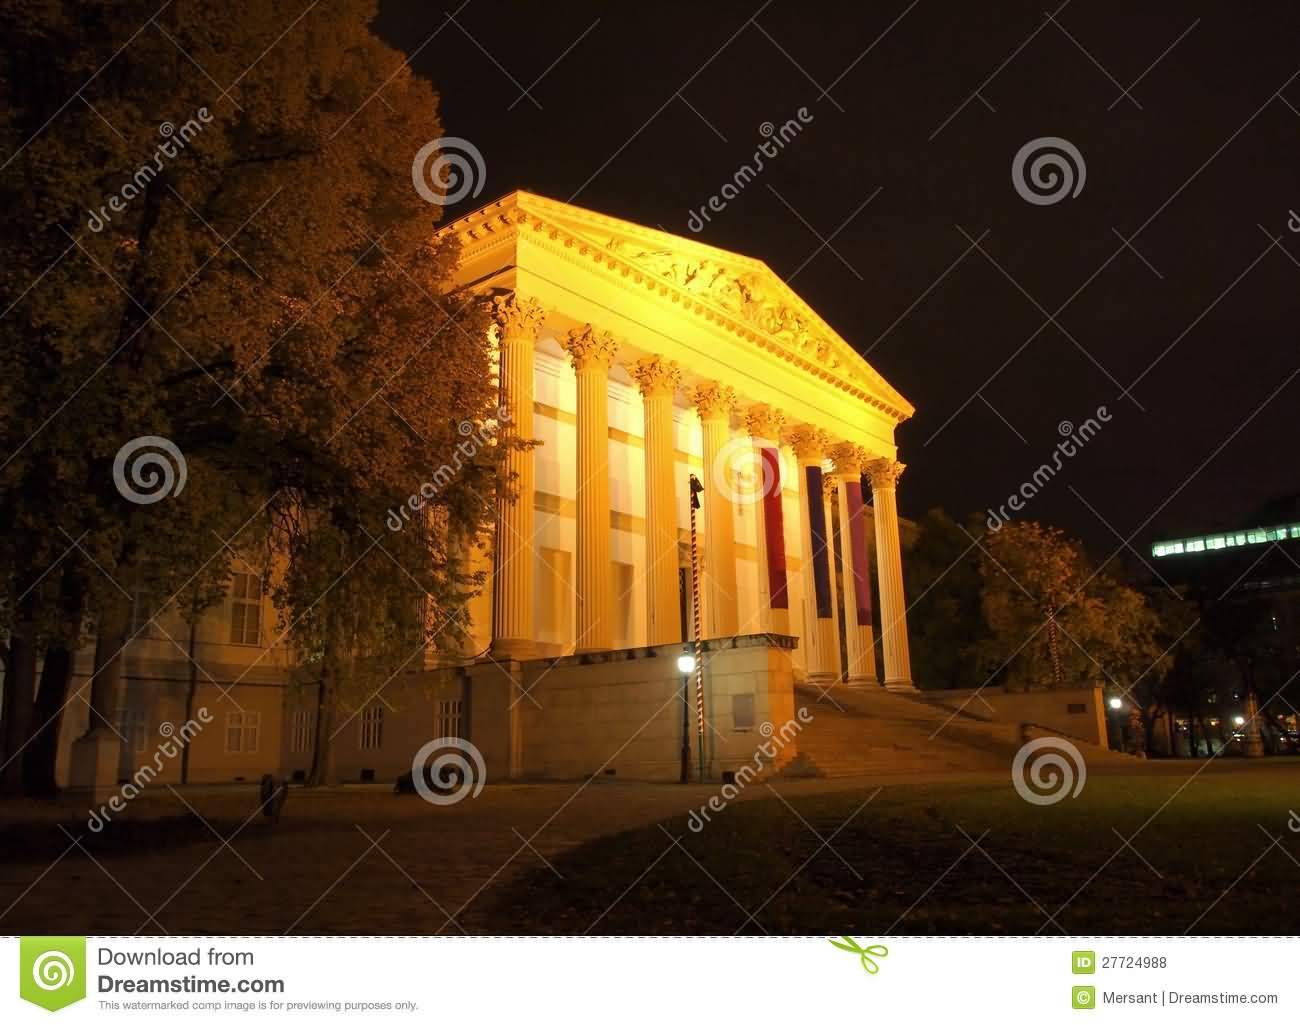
<point x="696" y="488"/>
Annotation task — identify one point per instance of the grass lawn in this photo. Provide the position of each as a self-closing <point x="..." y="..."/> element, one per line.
<point x="361" y="860"/>
<point x="905" y="863"/>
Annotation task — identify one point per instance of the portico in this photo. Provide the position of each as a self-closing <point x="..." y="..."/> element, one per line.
<point x="634" y="360"/>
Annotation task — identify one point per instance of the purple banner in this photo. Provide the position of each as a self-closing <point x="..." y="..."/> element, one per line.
<point x="821" y="562"/>
<point x="774" y="528"/>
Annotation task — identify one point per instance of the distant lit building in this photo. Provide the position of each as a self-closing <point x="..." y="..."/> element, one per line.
<point x="1246" y="584"/>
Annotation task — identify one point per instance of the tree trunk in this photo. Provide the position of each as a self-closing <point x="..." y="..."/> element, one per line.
<point x="322" y="757"/>
<point x="52" y="697"/>
<point x="190" y="690"/>
<point x="106" y="679"/>
<point x="1149" y="723"/>
<point x="323" y="772"/>
<point x="20" y="693"/>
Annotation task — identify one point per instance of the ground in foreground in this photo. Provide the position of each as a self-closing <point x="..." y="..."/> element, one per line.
<point x="1173" y="848"/>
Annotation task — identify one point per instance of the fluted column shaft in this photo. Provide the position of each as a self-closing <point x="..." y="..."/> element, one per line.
<point x="658" y="380"/>
<point x="884" y="475"/>
<point x="592" y="353"/>
<point x="814" y="546"/>
<point x="715" y="403"/>
<point x="861" y="668"/>
<point x="513" y="634"/>
<point x="837" y="621"/>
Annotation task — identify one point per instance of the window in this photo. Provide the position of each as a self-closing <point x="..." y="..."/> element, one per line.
<point x="301" y="728"/>
<point x="143" y="613"/>
<point x="554" y="601"/>
<point x="242" y="732"/>
<point x="245" y="609"/>
<point x="133" y="727"/>
<point x="446" y="718"/>
<point x="622" y="582"/>
<point x="742" y="712"/>
<point x="372" y="727"/>
<point x="1075" y="709"/>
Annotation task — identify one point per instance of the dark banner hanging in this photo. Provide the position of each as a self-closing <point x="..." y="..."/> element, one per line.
<point x="820" y="541"/>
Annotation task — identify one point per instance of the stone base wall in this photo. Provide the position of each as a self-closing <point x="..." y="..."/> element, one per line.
<point x="619" y="714"/>
<point x="616" y="714"/>
<point x="1077" y="712"/>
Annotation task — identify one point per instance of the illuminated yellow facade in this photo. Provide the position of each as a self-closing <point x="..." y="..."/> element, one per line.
<point x="635" y="359"/>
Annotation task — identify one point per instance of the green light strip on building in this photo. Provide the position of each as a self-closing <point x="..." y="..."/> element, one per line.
<point x="1233" y="539"/>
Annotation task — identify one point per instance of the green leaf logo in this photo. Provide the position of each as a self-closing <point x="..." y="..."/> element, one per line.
<point x="867" y="954"/>
<point x="52" y="970"/>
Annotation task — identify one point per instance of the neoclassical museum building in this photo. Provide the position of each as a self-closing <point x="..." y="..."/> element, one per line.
<point x="653" y="372"/>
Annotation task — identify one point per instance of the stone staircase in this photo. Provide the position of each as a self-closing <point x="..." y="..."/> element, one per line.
<point x="874" y="732"/>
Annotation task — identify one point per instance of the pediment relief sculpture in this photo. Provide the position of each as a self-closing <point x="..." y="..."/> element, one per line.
<point x="747" y="295"/>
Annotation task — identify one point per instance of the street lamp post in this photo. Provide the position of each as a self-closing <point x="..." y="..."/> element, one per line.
<point x="686" y="666"/>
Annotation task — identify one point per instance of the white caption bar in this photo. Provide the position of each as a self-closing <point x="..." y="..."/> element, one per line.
<point x="309" y="979"/>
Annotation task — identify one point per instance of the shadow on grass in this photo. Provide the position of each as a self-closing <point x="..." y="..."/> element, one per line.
<point x="972" y="860"/>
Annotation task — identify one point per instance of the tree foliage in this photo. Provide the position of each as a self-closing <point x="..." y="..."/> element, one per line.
<point x="212" y="237"/>
<point x="1056" y="620"/>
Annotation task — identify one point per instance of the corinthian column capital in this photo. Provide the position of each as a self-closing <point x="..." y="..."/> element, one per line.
<point x="714" y="401"/>
<point x="848" y="459"/>
<point x="516" y="316"/>
<point x="764" y="422"/>
<point x="656" y="376"/>
<point x="588" y="346"/>
<point x="809" y="443"/>
<point x="884" y="473"/>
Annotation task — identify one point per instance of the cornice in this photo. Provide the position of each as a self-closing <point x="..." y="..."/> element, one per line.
<point x="507" y="220"/>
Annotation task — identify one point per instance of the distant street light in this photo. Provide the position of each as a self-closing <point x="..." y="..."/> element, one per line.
<point x="1239" y="720"/>
<point x="1116" y="704"/>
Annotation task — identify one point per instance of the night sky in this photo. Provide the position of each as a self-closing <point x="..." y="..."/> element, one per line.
<point x="947" y="278"/>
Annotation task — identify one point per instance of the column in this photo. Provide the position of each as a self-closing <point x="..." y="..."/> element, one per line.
<point x="513" y="637"/>
<point x="592" y="352"/>
<point x="828" y="501"/>
<point x="884" y="475"/>
<point x="814" y="542"/>
<point x="714" y="403"/>
<point x="861" y="668"/>
<point x="659" y="379"/>
<point x="764" y="425"/>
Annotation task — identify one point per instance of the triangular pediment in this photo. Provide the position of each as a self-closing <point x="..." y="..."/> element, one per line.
<point x="740" y="287"/>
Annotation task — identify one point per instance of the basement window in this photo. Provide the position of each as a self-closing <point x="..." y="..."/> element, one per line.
<point x="742" y="712"/>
